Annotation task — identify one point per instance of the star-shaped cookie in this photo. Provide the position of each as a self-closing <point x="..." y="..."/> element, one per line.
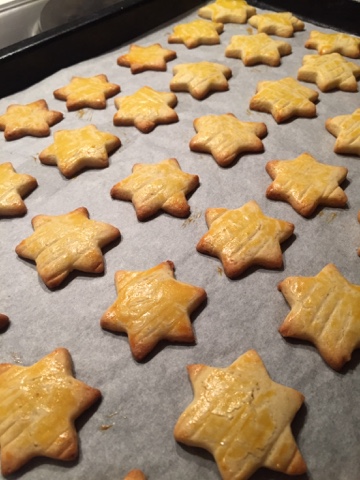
<point x="258" y="48"/>
<point x="306" y="183"/>
<point x="197" y="32"/>
<point x="38" y="407"/>
<point x="63" y="243"/>
<point x="284" y="99"/>
<point x="159" y="186"/>
<point x="243" y="418"/>
<point x="282" y="24"/>
<point x="33" y="119"/>
<point x="90" y="92"/>
<point x="325" y="310"/>
<point x="14" y="186"/>
<point x="145" y="109"/>
<point x="152" y="306"/>
<point x="330" y="71"/>
<point x="152" y="57"/>
<point x="342" y="43"/>
<point x="347" y="130"/>
<point x="227" y="11"/>
<point x="74" y="150"/>
<point x="225" y="137"/>
<point x="201" y="78"/>
<point x="244" y="237"/>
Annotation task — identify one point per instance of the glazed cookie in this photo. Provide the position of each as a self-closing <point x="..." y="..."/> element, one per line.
<point x="154" y="187"/>
<point x="152" y="306"/>
<point x="90" y="92"/>
<point x="226" y="137"/>
<point x="198" y="32"/>
<point x="284" y="99"/>
<point x="227" y="11"/>
<point x="244" y="237"/>
<point x="14" y="186"/>
<point x="38" y="407"/>
<point x="347" y="130"/>
<point x="242" y="417"/>
<point x="342" y="43"/>
<point x="145" y="109"/>
<point x="306" y="183"/>
<point x="199" y="79"/>
<point x="324" y="311"/>
<point x="283" y="24"/>
<point x="63" y="243"/>
<point x="34" y="119"/>
<point x="152" y="57"/>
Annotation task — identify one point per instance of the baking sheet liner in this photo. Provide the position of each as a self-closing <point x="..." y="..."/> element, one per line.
<point x="132" y="427"/>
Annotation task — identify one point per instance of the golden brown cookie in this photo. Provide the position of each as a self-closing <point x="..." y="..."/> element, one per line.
<point x="74" y="150"/>
<point x="197" y="32"/>
<point x="145" y="109"/>
<point x="152" y="57"/>
<point x="227" y="11"/>
<point x="325" y="310"/>
<point x="306" y="183"/>
<point x="63" y="243"/>
<point x="284" y="99"/>
<point x="347" y="130"/>
<point x="199" y="79"/>
<point x="4" y="321"/>
<point x="34" y="119"/>
<point x="90" y="92"/>
<point x="152" y="306"/>
<point x="14" y="186"/>
<point x="330" y="71"/>
<point x="244" y="237"/>
<point x="283" y="24"/>
<point x="226" y="137"/>
<point x="135" y="474"/>
<point x="159" y="186"/>
<point x="243" y="418"/>
<point x="342" y="43"/>
<point x="38" y="407"/>
<point x="258" y="48"/>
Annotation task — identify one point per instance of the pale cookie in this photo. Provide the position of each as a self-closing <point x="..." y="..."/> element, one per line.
<point x="198" y="32"/>
<point x="325" y="310"/>
<point x="90" y="92"/>
<point x="227" y="11"/>
<point x="306" y="183"/>
<point x="347" y="130"/>
<point x="135" y="474"/>
<point x="154" y="187"/>
<point x="145" y="109"/>
<point x="342" y="43"/>
<point x="152" y="306"/>
<point x="243" y="418"/>
<point x="329" y="72"/>
<point x="14" y="186"/>
<point x="284" y="99"/>
<point x="258" y="48"/>
<point x="282" y="24"/>
<point x="33" y="119"/>
<point x="152" y="57"/>
<point x="38" y="407"/>
<point x="199" y="79"/>
<point x="63" y="243"/>
<point x="244" y="237"/>
<point x="4" y="321"/>
<point x="226" y="137"/>
<point x="74" y="150"/>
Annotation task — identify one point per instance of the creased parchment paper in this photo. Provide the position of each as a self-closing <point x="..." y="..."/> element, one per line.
<point x="132" y="427"/>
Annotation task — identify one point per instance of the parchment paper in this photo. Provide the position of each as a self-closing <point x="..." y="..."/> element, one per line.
<point x="133" y="424"/>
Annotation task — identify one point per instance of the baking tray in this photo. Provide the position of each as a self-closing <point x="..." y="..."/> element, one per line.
<point x="28" y="61"/>
<point x="133" y="424"/>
